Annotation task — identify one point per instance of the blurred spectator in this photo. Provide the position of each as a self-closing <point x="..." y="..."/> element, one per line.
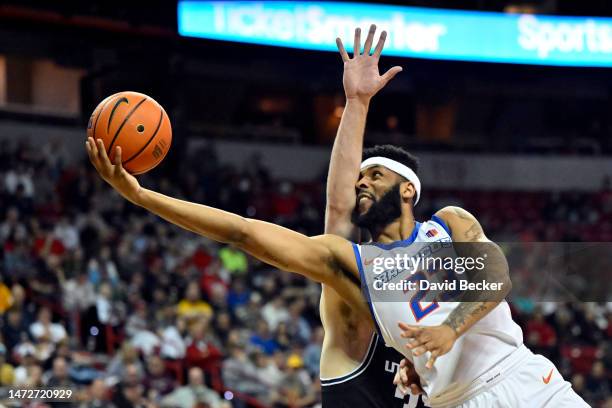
<point x="312" y="353"/>
<point x="43" y="327"/>
<point x="578" y="384"/>
<point x="202" y="347"/>
<point x="127" y="356"/>
<point x="67" y="233"/>
<point x="296" y="389"/>
<point x="268" y="370"/>
<point x="297" y="325"/>
<point x="139" y="331"/>
<point x="156" y="381"/>
<point x="7" y="372"/>
<point x="19" y="177"/>
<point x="59" y="377"/>
<point x="193" y="305"/>
<point x="6" y="298"/>
<point x="275" y="312"/>
<point x="263" y="338"/>
<point x="223" y="324"/>
<point x="251" y="311"/>
<point x="104" y="303"/>
<point x="282" y="336"/>
<point x="194" y="393"/>
<point x="173" y="344"/>
<point x="234" y="260"/>
<point x="240" y="374"/>
<point x="238" y="295"/>
<point x="214" y="282"/>
<point x="20" y="302"/>
<point x="597" y="383"/>
<point x="540" y="336"/>
<point x="29" y="372"/>
<point x="12" y="229"/>
<point x="129" y="395"/>
<point x="15" y="330"/>
<point x="97" y="396"/>
<point x="79" y="293"/>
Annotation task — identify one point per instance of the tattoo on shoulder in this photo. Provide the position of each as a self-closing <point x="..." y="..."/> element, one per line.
<point x="474" y="233"/>
<point x="461" y="213"/>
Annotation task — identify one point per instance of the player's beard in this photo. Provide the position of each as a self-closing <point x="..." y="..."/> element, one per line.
<point x="382" y="212"/>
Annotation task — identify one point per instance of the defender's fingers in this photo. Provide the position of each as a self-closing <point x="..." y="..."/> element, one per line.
<point x="343" y="52"/>
<point x="432" y="359"/>
<point x="414" y="343"/>
<point x="415" y="389"/>
<point x="369" y="40"/>
<point x="387" y="76"/>
<point x="404" y="377"/>
<point x="403" y="389"/>
<point x="419" y="350"/>
<point x="357" y="42"/>
<point x="380" y="45"/>
<point x="408" y="330"/>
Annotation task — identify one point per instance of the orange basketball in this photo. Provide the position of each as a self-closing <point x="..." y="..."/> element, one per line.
<point x="138" y="124"/>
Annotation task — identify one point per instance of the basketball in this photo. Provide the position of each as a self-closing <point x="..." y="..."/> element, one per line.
<point x="138" y="124"/>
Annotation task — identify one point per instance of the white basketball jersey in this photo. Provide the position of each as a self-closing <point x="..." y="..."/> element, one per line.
<point x="486" y="343"/>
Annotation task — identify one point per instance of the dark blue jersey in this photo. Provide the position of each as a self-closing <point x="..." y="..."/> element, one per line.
<point x="371" y="384"/>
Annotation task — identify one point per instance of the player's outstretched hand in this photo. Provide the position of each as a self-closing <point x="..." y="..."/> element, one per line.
<point x="361" y="78"/>
<point x="113" y="174"/>
<point x="438" y="340"/>
<point x="407" y="379"/>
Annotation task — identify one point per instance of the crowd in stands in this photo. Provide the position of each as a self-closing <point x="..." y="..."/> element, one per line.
<point x="102" y="298"/>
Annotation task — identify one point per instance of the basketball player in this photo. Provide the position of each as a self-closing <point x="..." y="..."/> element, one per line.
<point x="357" y="369"/>
<point x="494" y="339"/>
<point x="467" y="354"/>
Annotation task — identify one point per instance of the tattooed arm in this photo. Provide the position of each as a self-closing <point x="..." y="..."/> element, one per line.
<point x="469" y="242"/>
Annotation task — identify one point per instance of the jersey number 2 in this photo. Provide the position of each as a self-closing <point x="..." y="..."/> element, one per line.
<point x="416" y="306"/>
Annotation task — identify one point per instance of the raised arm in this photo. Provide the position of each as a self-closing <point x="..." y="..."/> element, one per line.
<point x="472" y="243"/>
<point x="326" y="258"/>
<point x="361" y="82"/>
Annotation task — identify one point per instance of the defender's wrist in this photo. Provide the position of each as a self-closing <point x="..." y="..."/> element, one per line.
<point x="358" y="101"/>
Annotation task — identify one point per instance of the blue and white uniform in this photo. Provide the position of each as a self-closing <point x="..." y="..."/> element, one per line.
<point x="489" y="352"/>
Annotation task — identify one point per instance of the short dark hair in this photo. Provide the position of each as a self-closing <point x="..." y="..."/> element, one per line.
<point x="394" y="153"/>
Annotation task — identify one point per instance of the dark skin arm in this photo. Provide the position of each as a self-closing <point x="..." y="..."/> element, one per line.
<point x="474" y="305"/>
<point x="327" y="258"/>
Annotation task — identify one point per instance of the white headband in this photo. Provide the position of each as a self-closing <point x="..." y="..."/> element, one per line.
<point x="397" y="167"/>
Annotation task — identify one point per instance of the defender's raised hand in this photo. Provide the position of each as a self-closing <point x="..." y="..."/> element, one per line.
<point x="361" y="78"/>
<point x="113" y="174"/>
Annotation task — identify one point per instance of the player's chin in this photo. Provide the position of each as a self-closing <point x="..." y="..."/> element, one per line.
<point x="363" y="206"/>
